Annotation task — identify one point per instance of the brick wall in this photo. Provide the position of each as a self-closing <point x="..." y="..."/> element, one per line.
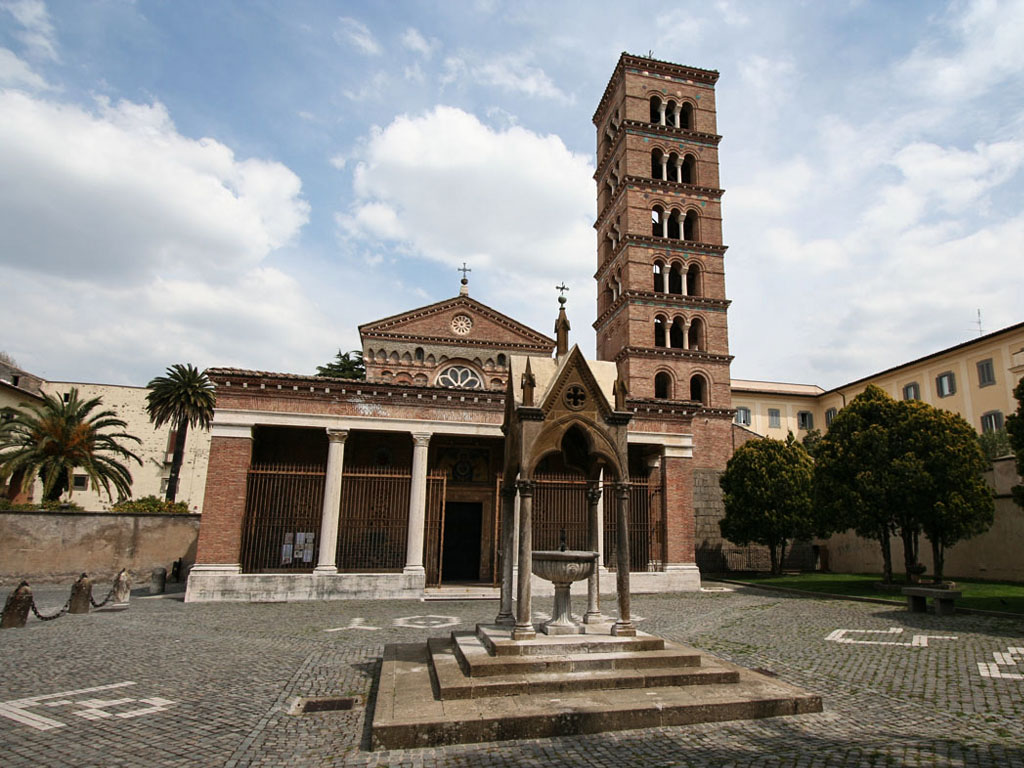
<point x="220" y="538"/>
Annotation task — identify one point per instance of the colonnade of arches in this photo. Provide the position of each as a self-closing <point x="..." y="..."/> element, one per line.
<point x="680" y="333"/>
<point x="677" y="114"/>
<point x="675" y="224"/>
<point x="677" y="279"/>
<point x="671" y="166"/>
<point x="664" y="388"/>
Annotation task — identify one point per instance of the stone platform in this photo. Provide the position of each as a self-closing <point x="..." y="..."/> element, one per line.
<point x="483" y="686"/>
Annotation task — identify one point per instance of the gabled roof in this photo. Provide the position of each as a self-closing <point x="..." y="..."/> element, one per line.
<point x="410" y="325"/>
<point x="548" y="371"/>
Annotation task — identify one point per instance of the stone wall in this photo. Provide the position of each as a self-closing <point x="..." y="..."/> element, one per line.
<point x="55" y="547"/>
<point x="995" y="554"/>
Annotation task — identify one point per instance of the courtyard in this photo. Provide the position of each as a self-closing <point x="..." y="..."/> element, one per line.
<point x="170" y="684"/>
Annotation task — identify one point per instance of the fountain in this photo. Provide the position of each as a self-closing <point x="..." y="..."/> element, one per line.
<point x="562" y="568"/>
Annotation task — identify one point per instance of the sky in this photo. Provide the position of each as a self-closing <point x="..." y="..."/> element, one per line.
<point x="244" y="183"/>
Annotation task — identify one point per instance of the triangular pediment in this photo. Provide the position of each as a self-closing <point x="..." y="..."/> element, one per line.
<point x="576" y="389"/>
<point x="460" y="320"/>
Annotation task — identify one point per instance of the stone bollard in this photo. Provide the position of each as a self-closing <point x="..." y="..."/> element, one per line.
<point x="122" y="587"/>
<point x="19" y="602"/>
<point x="158" y="581"/>
<point x="81" y="595"/>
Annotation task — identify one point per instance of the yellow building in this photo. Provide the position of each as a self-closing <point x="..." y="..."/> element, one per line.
<point x="974" y="379"/>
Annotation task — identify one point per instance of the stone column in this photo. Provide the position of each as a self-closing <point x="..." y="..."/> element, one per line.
<point x="686" y="328"/>
<point x="326" y="563"/>
<point x="664" y="167"/>
<point x="593" y="614"/>
<point x="624" y="626"/>
<point x="523" y="630"/>
<point x="417" y="505"/>
<point x="508" y="521"/>
<point x="678" y="112"/>
<point x="679" y="169"/>
<point x="661" y="113"/>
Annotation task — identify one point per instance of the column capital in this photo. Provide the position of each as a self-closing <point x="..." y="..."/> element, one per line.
<point x="593" y="492"/>
<point x="525" y="487"/>
<point x="337" y="435"/>
<point x="621" y="489"/>
<point x="421" y="439"/>
<point x="508" y="489"/>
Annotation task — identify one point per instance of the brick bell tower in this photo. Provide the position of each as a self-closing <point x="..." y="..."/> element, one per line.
<point x="661" y="306"/>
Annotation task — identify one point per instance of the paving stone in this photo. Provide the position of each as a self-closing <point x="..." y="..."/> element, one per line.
<point x="233" y="670"/>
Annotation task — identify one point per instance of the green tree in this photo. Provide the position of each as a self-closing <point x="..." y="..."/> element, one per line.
<point x="53" y="439"/>
<point x="942" y="464"/>
<point x="855" y="485"/>
<point x="767" y="492"/>
<point x="1015" y="429"/>
<point x="345" y="365"/>
<point x="184" y="398"/>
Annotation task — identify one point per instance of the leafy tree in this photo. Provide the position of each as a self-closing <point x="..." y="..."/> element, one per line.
<point x="184" y="398"/>
<point x="942" y="463"/>
<point x="854" y="482"/>
<point x="6" y="359"/>
<point x="345" y="365"/>
<point x="811" y="441"/>
<point x="53" y="439"/>
<point x="767" y="486"/>
<point x="1015" y="429"/>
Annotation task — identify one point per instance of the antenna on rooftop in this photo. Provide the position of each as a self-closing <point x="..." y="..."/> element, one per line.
<point x="980" y="331"/>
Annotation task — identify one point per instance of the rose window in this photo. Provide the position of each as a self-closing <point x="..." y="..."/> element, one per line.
<point x="462" y="324"/>
<point x="460" y="377"/>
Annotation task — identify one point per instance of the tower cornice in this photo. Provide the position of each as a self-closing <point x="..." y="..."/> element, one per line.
<point x="656" y="299"/>
<point x="672" y="353"/>
<point x="650" y="130"/>
<point x="661" y="244"/>
<point x="641" y="183"/>
<point x="657" y="68"/>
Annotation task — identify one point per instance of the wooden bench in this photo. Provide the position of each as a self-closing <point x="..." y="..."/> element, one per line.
<point x="917" y="599"/>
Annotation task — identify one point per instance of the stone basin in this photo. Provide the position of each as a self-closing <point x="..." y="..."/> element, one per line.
<point x="562" y="569"/>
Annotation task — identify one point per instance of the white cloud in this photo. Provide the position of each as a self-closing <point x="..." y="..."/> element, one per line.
<point x="416" y="42"/>
<point x="132" y="244"/>
<point x="515" y="204"/>
<point x="37" y="31"/>
<point x="512" y="73"/>
<point x="986" y="41"/>
<point x="356" y="33"/>
<point x="133" y="195"/>
<point x="373" y="89"/>
<point x="15" y="72"/>
<point x="770" y="82"/>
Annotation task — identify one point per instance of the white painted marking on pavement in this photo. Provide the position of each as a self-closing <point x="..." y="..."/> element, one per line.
<point x="92" y="709"/>
<point x="916" y="641"/>
<point x="1007" y="659"/>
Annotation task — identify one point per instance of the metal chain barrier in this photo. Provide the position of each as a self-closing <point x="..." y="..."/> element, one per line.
<point x="21" y="600"/>
<point x="57" y="615"/>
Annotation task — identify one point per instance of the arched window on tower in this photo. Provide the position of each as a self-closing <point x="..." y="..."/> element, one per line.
<point x="659" y="221"/>
<point x="656" y="110"/>
<point x="677" y="335"/>
<point x="689" y="170"/>
<point x="662" y="386"/>
<point x="674" y="223"/>
<point x="686" y="116"/>
<point x="675" y="279"/>
<point x="672" y="113"/>
<point x="695" y="335"/>
<point x="699" y="389"/>
<point x="694" y="281"/>
<point x="659" y="277"/>
<point x="673" y="167"/>
<point x="607" y="295"/>
<point x="659" y="331"/>
<point x="691" y="231"/>
<point x="657" y="164"/>
<point x="419" y="354"/>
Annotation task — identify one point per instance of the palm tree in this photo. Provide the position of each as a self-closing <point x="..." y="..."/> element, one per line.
<point x="61" y="435"/>
<point x="184" y="398"/>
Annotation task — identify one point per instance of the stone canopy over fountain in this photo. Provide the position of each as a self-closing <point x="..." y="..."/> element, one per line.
<point x="498" y="681"/>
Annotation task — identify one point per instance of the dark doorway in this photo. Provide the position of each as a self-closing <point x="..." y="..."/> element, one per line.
<point x="460" y="560"/>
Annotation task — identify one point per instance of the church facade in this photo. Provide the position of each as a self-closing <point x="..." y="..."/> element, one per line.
<point x="328" y="488"/>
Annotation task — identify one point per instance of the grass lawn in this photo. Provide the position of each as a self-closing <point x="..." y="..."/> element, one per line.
<point x="986" y="595"/>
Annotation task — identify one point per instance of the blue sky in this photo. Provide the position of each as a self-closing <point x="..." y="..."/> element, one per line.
<point x="243" y="183"/>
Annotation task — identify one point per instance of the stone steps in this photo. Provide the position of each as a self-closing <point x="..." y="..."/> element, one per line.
<point x="475" y="660"/>
<point x="453" y="683"/>
<point x="410" y="712"/>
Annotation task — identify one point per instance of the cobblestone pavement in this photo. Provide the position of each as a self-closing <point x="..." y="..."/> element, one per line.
<point x="212" y="685"/>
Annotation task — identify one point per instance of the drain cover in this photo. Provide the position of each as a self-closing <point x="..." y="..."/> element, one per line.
<point x="323" y="704"/>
